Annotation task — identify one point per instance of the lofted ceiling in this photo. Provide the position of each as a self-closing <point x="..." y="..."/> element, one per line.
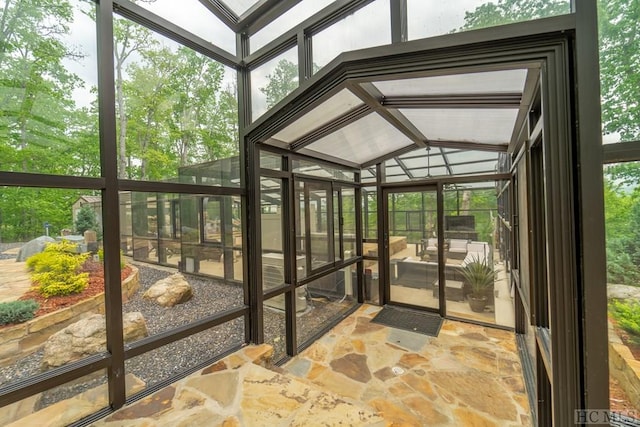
<point x="453" y="123"/>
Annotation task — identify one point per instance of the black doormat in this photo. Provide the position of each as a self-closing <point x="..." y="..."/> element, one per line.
<point x="409" y="320"/>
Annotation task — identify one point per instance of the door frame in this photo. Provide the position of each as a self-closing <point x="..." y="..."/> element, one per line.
<point x="385" y="296"/>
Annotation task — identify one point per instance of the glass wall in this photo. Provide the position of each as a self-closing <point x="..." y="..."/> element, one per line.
<point x="272" y="81"/>
<point x="622" y="219"/>
<point x="175" y="111"/>
<point x="428" y="18"/>
<point x="48" y="76"/>
<point x="478" y="285"/>
<point x="367" y="27"/>
<point x="51" y="279"/>
<point x="196" y="18"/>
<point x="175" y="107"/>
<point x="329" y="297"/>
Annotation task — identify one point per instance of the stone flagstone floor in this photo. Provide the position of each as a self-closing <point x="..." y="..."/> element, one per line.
<point x="359" y="374"/>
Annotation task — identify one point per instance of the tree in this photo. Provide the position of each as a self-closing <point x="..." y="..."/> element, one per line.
<point x="619" y="27"/>
<point x="86" y="220"/>
<point x="129" y="39"/>
<point x="282" y="82"/>
<point x="508" y="11"/>
<point x="35" y="104"/>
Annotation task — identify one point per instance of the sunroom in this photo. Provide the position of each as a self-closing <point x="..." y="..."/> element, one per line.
<point x="303" y="165"/>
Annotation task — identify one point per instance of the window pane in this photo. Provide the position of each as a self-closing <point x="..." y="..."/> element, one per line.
<point x="172" y="359"/>
<point x="330" y="297"/>
<point x="349" y="222"/>
<point x="86" y="395"/>
<point x="306" y="167"/>
<point x="175" y="109"/>
<point x="48" y="77"/>
<point x="275" y="326"/>
<point x="471" y="226"/>
<point x="273" y="81"/>
<point x="194" y="17"/>
<point x="367" y="27"/>
<point x="369" y="214"/>
<point x="427" y="18"/>
<point x="622" y="216"/>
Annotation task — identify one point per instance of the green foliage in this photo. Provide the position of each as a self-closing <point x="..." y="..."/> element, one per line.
<point x="282" y="81"/>
<point x="627" y="314"/>
<point x="480" y="276"/>
<point x="508" y="11"/>
<point x="622" y="221"/>
<point x="619" y="26"/>
<point x="86" y="220"/>
<point x="17" y="311"/>
<point x="56" y="270"/>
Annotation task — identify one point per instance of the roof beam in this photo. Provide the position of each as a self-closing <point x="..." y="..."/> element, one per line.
<point x="370" y="95"/>
<point x="470" y="145"/>
<point x="404" y="168"/>
<point x="263" y="13"/>
<point x="506" y="100"/>
<point x="446" y="161"/>
<point x="222" y="11"/>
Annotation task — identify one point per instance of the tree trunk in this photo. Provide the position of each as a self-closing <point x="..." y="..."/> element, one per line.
<point x="122" y="118"/>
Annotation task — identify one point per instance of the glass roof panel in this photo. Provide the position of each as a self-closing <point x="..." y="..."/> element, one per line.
<point x="239" y="6"/>
<point x="486" y="167"/>
<point x="421" y="162"/>
<point x="429" y="172"/>
<point x="481" y="125"/>
<point x="472" y="156"/>
<point x="367" y="27"/>
<point x="361" y="141"/>
<point x="195" y="18"/>
<point x="503" y="81"/>
<point x="286" y="21"/>
<point x="332" y="108"/>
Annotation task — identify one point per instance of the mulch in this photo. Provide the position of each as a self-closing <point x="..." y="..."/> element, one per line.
<point x="95" y="286"/>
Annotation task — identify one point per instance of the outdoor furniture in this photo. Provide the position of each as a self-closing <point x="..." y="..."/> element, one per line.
<point x="457" y="248"/>
<point x="453" y="290"/>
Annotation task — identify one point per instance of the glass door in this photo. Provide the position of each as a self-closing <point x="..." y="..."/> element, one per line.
<point x="411" y="243"/>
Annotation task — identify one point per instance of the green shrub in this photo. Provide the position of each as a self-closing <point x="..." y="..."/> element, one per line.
<point x="17" y="311"/>
<point x="627" y="314"/>
<point x="56" y="270"/>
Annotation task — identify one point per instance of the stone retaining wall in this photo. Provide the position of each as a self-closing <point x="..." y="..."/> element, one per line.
<point x="624" y="367"/>
<point x="626" y="370"/>
<point x="25" y="338"/>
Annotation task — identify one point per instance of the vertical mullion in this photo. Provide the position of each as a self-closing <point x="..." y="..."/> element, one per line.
<point x="399" y="21"/>
<point x="359" y="232"/>
<point x="591" y="220"/>
<point x="384" y="290"/>
<point x="110" y="203"/>
<point x="441" y="262"/>
<point x="291" y="258"/>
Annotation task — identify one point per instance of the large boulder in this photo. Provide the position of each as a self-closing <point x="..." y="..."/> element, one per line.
<point x="170" y="291"/>
<point x="623" y="292"/>
<point x="33" y="247"/>
<point x="86" y="337"/>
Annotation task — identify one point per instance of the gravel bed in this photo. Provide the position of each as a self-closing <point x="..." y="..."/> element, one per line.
<point x="210" y="297"/>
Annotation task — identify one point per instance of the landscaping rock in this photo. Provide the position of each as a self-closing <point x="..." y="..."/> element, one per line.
<point x="33" y="247"/>
<point x="86" y="337"/>
<point x="170" y="291"/>
<point x="623" y="292"/>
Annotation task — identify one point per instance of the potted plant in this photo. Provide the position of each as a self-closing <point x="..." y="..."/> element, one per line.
<point x="480" y="277"/>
